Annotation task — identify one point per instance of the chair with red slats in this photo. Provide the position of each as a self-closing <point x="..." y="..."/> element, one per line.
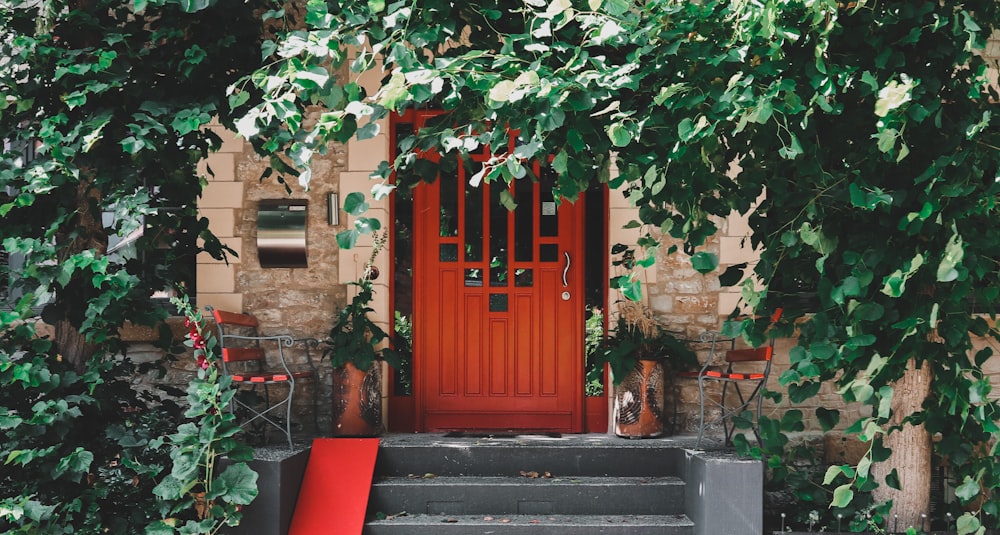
<point x="245" y="359"/>
<point x="742" y="373"/>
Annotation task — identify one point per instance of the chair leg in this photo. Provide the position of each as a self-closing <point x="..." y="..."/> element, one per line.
<point x="701" y="403"/>
<point x="288" y="413"/>
<point x="315" y="390"/>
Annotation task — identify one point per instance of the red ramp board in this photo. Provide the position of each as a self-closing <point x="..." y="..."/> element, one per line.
<point x="335" y="488"/>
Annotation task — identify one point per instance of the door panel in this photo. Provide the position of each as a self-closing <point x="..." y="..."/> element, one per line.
<point x="498" y="317"/>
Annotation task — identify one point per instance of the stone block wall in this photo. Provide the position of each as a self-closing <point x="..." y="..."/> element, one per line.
<point x="303" y="301"/>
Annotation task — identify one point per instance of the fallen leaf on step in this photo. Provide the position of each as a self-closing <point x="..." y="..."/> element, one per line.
<point x="505" y="521"/>
<point x="531" y="474"/>
<point x="429" y="475"/>
<point x="488" y="518"/>
<point x="450" y="520"/>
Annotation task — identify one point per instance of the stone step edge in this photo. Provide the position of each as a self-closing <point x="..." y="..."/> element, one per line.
<point x="515" y="481"/>
<point x="476" y="521"/>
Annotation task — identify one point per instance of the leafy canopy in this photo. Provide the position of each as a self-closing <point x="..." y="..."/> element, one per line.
<point x="860" y="137"/>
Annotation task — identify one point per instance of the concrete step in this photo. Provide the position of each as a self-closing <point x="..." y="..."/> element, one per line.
<point x="532" y="524"/>
<point x="586" y="455"/>
<point x="572" y="495"/>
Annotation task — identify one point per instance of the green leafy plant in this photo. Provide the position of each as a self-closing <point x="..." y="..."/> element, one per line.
<point x="594" y="329"/>
<point x="198" y="495"/>
<point x="78" y="451"/>
<point x="355" y="338"/>
<point x="636" y="337"/>
<point x="403" y="344"/>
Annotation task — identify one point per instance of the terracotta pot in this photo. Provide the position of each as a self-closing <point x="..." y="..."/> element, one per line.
<point x="357" y="401"/>
<point x="639" y="401"/>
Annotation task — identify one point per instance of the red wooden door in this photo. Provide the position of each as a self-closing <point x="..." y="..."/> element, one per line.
<point x="499" y="306"/>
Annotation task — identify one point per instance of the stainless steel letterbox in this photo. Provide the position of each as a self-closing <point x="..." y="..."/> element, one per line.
<point x="281" y="233"/>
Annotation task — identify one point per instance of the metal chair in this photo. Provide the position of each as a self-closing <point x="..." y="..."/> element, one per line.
<point x="742" y="373"/>
<point x="245" y="360"/>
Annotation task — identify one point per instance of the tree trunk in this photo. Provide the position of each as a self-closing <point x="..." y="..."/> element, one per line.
<point x="72" y="345"/>
<point x="84" y="232"/>
<point x="911" y="454"/>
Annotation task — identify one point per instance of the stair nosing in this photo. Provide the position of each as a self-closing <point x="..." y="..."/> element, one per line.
<point x="474" y="480"/>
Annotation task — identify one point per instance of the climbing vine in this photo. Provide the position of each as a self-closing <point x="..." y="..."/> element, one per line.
<point x="859" y="137"/>
<point x="105" y="112"/>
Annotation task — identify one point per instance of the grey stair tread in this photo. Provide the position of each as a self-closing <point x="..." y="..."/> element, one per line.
<point x="502" y="481"/>
<point x="561" y="524"/>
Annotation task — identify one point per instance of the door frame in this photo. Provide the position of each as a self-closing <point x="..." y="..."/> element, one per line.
<point x="406" y="412"/>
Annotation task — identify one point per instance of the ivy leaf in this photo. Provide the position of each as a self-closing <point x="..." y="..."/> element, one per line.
<point x="893" y="95"/>
<point x="953" y="254"/>
<point x="619" y="134"/>
<point x="968" y="490"/>
<point x="630" y="287"/>
<point x="828" y="418"/>
<point x="354" y="203"/>
<point x="347" y="239"/>
<point x="367" y="225"/>
<point x="732" y="275"/>
<point x="892" y="480"/>
<point x="191" y="6"/>
<point x="507" y="200"/>
<point x="842" y="496"/>
<point x="835" y="470"/>
<point x="704" y="262"/>
<point x="968" y="524"/>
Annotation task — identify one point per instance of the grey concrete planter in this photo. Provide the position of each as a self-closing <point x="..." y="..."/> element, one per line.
<point x="932" y="532"/>
<point x="279" y="476"/>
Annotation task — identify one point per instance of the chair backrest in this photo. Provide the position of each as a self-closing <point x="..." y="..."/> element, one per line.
<point x="757" y="354"/>
<point x="231" y="352"/>
<point x="750" y="355"/>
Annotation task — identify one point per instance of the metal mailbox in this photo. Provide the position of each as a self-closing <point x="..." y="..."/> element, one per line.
<point x="281" y="233"/>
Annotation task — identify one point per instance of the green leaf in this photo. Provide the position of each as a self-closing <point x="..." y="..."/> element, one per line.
<point x="560" y="161"/>
<point x="347" y="239"/>
<point x="367" y="225"/>
<point x="864" y="466"/>
<point x="953" y="254"/>
<point x="828" y="418"/>
<point x="893" y="95"/>
<point x="887" y="139"/>
<point x="968" y="490"/>
<point x="835" y="470"/>
<point x="842" y="496"/>
<point x="354" y="203"/>
<point x="861" y="391"/>
<point x="241" y="484"/>
<point x="377" y="6"/>
<point x="631" y="288"/>
<point x="507" y="200"/>
<point x="732" y="275"/>
<point x="619" y="134"/>
<point x="704" y="262"/>
<point x="190" y="6"/>
<point x="968" y="524"/>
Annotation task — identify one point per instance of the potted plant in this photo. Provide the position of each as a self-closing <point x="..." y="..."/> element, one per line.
<point x="354" y="349"/>
<point x="642" y="356"/>
<point x="356" y="346"/>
